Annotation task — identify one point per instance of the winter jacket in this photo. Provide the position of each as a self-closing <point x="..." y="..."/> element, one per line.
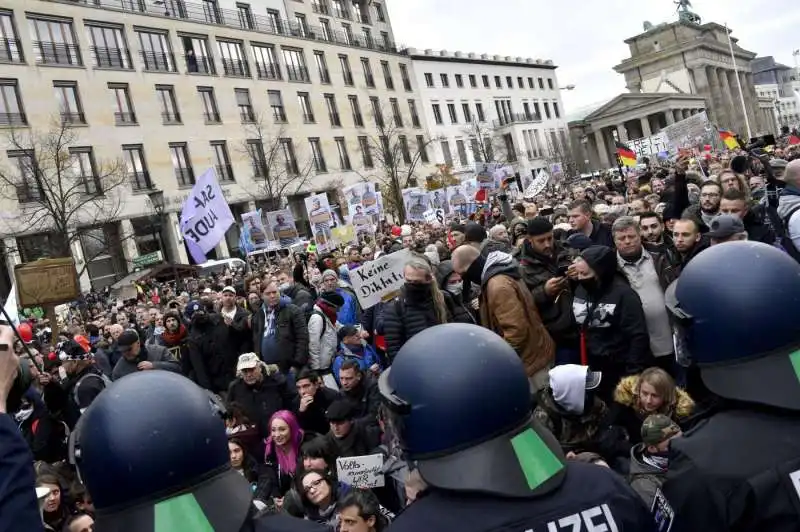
<point x="350" y="313"/>
<point x="757" y="230"/>
<point x="178" y="345"/>
<point x="556" y="312"/>
<point x="299" y="296"/>
<point x="277" y="481"/>
<point x="367" y="399"/>
<point x="507" y="308"/>
<point x="211" y="364"/>
<point x="462" y="313"/>
<point x="313" y="419"/>
<point x="322" y="340"/>
<point x="365" y="358"/>
<point x="159" y="356"/>
<point x="291" y="334"/>
<point x="362" y="439"/>
<point x="259" y="402"/>
<point x="629" y="417"/>
<point x="788" y="202"/>
<point x="644" y="478"/>
<point x="18" y="504"/>
<point x="693" y="213"/>
<point x="601" y="234"/>
<point x="403" y="318"/>
<point x="372" y="320"/>
<point x="240" y="338"/>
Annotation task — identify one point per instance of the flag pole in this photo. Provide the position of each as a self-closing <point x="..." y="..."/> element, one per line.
<point x="739" y="84"/>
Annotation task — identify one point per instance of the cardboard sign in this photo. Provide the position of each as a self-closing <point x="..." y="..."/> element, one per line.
<point x="380" y="280"/>
<point x="434" y="216"/>
<point x="361" y="471"/>
<point x="662" y="513"/>
<point x="47" y="282"/>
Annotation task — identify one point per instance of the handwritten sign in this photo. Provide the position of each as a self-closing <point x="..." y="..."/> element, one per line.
<point x="361" y="471"/>
<point x="380" y="280"/>
<point x="434" y="216"/>
<point x="47" y="282"/>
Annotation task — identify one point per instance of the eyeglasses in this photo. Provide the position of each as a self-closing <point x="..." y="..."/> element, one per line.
<point x="313" y="485"/>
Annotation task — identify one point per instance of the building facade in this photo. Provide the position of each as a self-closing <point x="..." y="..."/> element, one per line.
<point x="778" y="83"/>
<point x="477" y="105"/>
<point x="264" y="92"/>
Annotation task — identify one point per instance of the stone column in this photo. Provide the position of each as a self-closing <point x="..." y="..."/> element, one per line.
<point x="685" y="113"/>
<point x="646" y="132"/>
<point x="174" y="240"/>
<point x="622" y="133"/>
<point x="750" y="89"/>
<point x="677" y="115"/>
<point x="702" y="85"/>
<point x="129" y="249"/>
<point x="670" y="117"/>
<point x="602" y="151"/>
<point x="717" y="101"/>
<point x="730" y="104"/>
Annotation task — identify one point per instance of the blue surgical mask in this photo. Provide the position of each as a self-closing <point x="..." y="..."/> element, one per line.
<point x="456" y="288"/>
<point x="284" y="287"/>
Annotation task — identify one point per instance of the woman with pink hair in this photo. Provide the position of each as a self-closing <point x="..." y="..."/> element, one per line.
<point x="282" y="452"/>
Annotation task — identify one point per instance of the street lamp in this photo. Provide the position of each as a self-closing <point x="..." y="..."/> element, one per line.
<point x="569" y="87"/>
<point x="157" y="201"/>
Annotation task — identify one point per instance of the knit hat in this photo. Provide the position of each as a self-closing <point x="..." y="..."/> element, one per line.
<point x="657" y="428"/>
<point x="539" y="226"/>
<point x="457" y="227"/>
<point x="327" y="274"/>
<point x="474" y="232"/>
<point x="405" y="230"/>
<point x="127" y="339"/>
<point x="332" y="298"/>
<point x="578" y="241"/>
<point x="341" y="410"/>
<point x="72" y="350"/>
<point x="396" y="231"/>
<point x="191" y="308"/>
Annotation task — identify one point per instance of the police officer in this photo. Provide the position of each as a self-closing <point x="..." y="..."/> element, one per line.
<point x="739" y="468"/>
<point x="153" y="454"/>
<point x="458" y="399"/>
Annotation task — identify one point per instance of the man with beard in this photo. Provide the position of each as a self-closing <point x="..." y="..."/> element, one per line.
<point x="212" y="363"/>
<point x="688" y="240"/>
<point x="702" y="213"/>
<point x="235" y="319"/>
<point x="655" y="239"/>
<point x="175" y="339"/>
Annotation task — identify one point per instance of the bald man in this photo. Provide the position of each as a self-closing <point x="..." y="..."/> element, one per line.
<point x="507" y="308"/>
<point x="789" y="207"/>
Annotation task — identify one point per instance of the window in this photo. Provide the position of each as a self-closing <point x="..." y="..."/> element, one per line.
<point x="245" y="15"/>
<point x="209" y="103"/>
<point x="366" y="152"/>
<point x="168" y="104"/>
<point x="211" y="12"/>
<point x="476" y="150"/>
<point x="295" y="65"/>
<point x="448" y="157"/>
<point x="429" y="79"/>
<point x="234" y="61"/>
<point x="473" y="81"/>
<point x="369" y="79"/>
<point x="497" y="82"/>
<point x="301" y="25"/>
<point x="459" y="81"/>
<point x="29" y="188"/>
<point x="451" y="110"/>
<point x="11" y="51"/>
<point x="510" y="82"/>
<point x="412" y="110"/>
<point x="555" y="110"/>
<point x="385" y="41"/>
<point x="317" y="157"/>
<point x="404" y="77"/>
<point x="320" y="6"/>
<point x="379" y="12"/>
<point x="550" y="83"/>
<point x="536" y="110"/>
<point x="54" y="42"/>
<point x="275" y="25"/>
<point x="367" y="37"/>
<point x="546" y="109"/>
<point x="511" y="152"/>
<point x="530" y="83"/>
<point x="347" y="74"/>
<point x="467" y="113"/>
<point x="222" y="163"/>
<point x="462" y="152"/>
<point x="479" y="112"/>
<point x="376" y="110"/>
<point x="520" y="83"/>
<point x="488" y="148"/>
<point x="322" y="67"/>
<point x="156" y="52"/>
<point x="84" y="170"/>
<point x="287" y="147"/>
<point x="344" y="159"/>
<point x="258" y="160"/>
<point x="69" y="103"/>
<point x="180" y="164"/>
<point x="267" y="66"/>
<point x="339" y="9"/>
<point x="136" y="167"/>
<point x="422" y="148"/>
<point x="197" y="55"/>
<point x="325" y="24"/>
<point x="437" y="114"/>
<point x="246" y="112"/>
<point x="305" y="107"/>
<point x="109" y="48"/>
<point x="358" y="120"/>
<point x="387" y="75"/>
<point x="360" y="9"/>
<point x="445" y="80"/>
<point x="397" y="116"/>
<point x="123" y="108"/>
<point x="333" y="110"/>
<point x="541" y="83"/>
<point x="404" y="151"/>
<point x="348" y="34"/>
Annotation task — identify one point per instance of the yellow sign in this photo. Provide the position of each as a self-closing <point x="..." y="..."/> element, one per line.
<point x="344" y="234"/>
<point x="47" y="282"/>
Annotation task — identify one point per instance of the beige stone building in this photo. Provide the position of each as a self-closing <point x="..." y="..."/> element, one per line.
<point x="171" y="88"/>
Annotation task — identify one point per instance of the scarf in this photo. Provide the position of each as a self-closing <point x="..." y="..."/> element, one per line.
<point x="174" y="338"/>
<point x="656" y="460"/>
<point x="328" y="310"/>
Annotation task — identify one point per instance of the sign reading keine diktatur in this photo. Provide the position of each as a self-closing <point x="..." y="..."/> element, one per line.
<point x="361" y="471"/>
<point x="380" y="280"/>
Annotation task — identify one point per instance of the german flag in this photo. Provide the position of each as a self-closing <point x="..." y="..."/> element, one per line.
<point x="627" y="157"/>
<point x="729" y="139"/>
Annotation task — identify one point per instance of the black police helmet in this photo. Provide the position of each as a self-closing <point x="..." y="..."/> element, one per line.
<point x="460" y="402"/>
<point x="738" y="304"/>
<point x="152" y="451"/>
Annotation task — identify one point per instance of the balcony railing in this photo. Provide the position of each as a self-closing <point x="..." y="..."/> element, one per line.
<point x="55" y="53"/>
<point x="235" y="67"/>
<point x="335" y="120"/>
<point x="73" y="118"/>
<point x="199" y="65"/>
<point x="171" y="118"/>
<point x="185" y="176"/>
<point x="308" y="118"/>
<point x="158" y="61"/>
<point x="13" y="119"/>
<point x="225" y="172"/>
<point x="516" y="118"/>
<point x="11" y="51"/>
<point x="247" y="115"/>
<point x="268" y="71"/>
<point x="229" y="17"/>
<point x="111" y="57"/>
<point x="140" y="180"/>
<point x="321" y="8"/>
<point x="125" y="118"/>
<point x="297" y="73"/>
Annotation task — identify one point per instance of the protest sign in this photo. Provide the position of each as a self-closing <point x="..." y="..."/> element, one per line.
<point x="537" y="185"/>
<point x="319" y="215"/>
<point x="205" y="216"/>
<point x="381" y="279"/>
<point x="46" y="282"/>
<point x="363" y="472"/>
<point x="255" y="235"/>
<point x="416" y="204"/>
<point x="344" y="234"/>
<point x="434" y="216"/>
<point x="281" y="223"/>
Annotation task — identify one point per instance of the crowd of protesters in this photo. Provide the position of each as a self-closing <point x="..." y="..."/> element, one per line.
<point x="575" y="280"/>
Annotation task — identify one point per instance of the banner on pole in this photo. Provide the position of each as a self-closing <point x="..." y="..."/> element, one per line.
<point x="205" y="216"/>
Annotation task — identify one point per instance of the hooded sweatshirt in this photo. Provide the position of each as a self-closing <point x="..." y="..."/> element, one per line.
<point x="568" y="383"/>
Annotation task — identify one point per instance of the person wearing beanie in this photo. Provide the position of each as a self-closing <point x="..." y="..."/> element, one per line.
<point x="474" y="234"/>
<point x="138" y="356"/>
<point x="543" y="262"/>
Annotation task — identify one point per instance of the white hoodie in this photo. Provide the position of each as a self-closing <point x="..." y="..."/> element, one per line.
<point x="568" y="383"/>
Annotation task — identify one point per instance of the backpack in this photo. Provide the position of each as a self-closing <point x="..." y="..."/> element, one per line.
<point x="324" y="319"/>
<point x="786" y="238"/>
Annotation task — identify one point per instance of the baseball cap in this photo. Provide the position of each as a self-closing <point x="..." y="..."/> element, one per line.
<point x="191" y="308"/>
<point x="207" y="291"/>
<point x="247" y="361"/>
<point x="725" y="226"/>
<point x="230" y="289"/>
<point x="657" y="428"/>
<point x="127" y="339"/>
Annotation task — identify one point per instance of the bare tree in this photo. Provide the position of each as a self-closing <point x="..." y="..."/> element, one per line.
<point x="487" y="146"/>
<point x="559" y="152"/>
<point x="64" y="193"/>
<point x="280" y="167"/>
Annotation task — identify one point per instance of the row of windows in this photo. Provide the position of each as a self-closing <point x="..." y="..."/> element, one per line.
<point x="535" y="147"/>
<point x="498" y="81"/>
<point x="54" y="43"/>
<point x="505" y="114"/>
<point x="71" y="111"/>
<point x="340" y="9"/>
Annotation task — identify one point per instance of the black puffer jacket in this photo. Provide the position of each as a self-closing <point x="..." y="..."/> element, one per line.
<point x="261" y="401"/>
<point x="212" y="362"/>
<point x="461" y="312"/>
<point x="299" y="296"/>
<point x="404" y="317"/>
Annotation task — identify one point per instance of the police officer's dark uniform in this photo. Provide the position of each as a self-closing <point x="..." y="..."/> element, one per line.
<point x="153" y="453"/>
<point x="739" y="467"/>
<point x="459" y="401"/>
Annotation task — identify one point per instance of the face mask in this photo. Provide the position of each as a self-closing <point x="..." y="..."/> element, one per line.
<point x="418" y="291"/>
<point x="284" y="287"/>
<point x="456" y="288"/>
<point x="158" y="331"/>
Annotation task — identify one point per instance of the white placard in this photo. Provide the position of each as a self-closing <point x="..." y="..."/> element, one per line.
<point x="361" y="471"/>
<point x="434" y="216"/>
<point x="380" y="279"/>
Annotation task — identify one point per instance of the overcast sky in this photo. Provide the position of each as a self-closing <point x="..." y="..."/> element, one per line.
<point x="583" y="37"/>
